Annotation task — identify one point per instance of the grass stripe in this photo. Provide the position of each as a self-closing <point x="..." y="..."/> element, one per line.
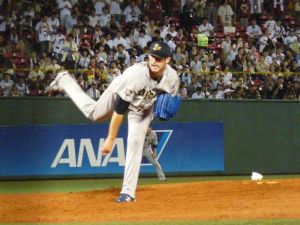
<point x="50" y="186"/>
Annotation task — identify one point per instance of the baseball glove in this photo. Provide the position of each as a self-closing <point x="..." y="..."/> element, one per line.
<point x="166" y="106"/>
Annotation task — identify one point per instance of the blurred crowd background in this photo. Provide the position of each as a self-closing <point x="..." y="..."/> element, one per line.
<point x="222" y="49"/>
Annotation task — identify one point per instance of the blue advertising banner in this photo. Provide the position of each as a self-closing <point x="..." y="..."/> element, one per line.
<point x="75" y="149"/>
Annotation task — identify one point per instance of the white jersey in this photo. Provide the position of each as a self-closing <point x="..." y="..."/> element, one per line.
<point x="136" y="86"/>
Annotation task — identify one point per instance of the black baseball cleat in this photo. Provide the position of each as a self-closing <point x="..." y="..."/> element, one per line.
<point x="125" y="198"/>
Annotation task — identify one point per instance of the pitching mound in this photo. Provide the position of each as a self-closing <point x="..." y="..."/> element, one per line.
<point x="185" y="201"/>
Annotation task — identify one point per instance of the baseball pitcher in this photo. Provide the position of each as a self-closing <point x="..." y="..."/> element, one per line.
<point x="134" y="92"/>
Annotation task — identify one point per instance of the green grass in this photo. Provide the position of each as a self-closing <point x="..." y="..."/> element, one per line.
<point x="77" y="185"/>
<point x="229" y="222"/>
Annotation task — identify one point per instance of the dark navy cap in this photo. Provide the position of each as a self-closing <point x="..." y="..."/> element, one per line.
<point x="160" y="49"/>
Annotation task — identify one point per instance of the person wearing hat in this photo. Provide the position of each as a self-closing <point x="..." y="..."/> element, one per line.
<point x="133" y="92"/>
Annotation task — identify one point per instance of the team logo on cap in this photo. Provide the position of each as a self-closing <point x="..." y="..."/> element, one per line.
<point x="156" y="47"/>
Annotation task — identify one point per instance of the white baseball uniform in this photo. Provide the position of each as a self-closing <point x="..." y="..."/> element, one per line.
<point x="150" y="141"/>
<point x="135" y="86"/>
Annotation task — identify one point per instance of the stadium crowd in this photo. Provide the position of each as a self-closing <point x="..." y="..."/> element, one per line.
<point x="247" y="49"/>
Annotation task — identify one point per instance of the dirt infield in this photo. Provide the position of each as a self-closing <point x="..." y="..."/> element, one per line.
<point x="185" y="201"/>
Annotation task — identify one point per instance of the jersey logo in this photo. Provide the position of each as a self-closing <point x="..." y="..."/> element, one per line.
<point x="148" y="95"/>
<point x="156" y="47"/>
<point x="163" y="136"/>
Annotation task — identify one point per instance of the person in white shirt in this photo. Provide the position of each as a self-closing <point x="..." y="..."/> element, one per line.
<point x="54" y="21"/>
<point x="225" y="14"/>
<point x="291" y="38"/>
<point x="104" y="18"/>
<point x="6" y="84"/>
<point x="263" y="40"/>
<point x="21" y="86"/>
<point x="99" y="5"/>
<point x="65" y="7"/>
<point x="44" y="30"/>
<point x="93" y="92"/>
<point x="195" y="65"/>
<point x="84" y="59"/>
<point x="226" y="48"/>
<point x="132" y="12"/>
<point x="119" y="40"/>
<point x="122" y="55"/>
<point x="267" y="58"/>
<point x="270" y="25"/>
<point x="115" y="9"/>
<point x="199" y="94"/>
<point x="143" y="39"/>
<point x="170" y="42"/>
<point x="94" y="18"/>
<point x="172" y="31"/>
<point x="206" y="28"/>
<point x="227" y="76"/>
<point x="253" y="31"/>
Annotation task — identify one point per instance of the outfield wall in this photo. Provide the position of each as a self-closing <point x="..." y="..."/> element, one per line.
<point x="258" y="135"/>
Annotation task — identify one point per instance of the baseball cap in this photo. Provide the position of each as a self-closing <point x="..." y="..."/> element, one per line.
<point x="160" y="49"/>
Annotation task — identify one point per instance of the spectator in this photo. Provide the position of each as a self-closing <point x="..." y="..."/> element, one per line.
<point x="172" y="31"/>
<point x="244" y="9"/>
<point x="21" y="86"/>
<point x="291" y="38"/>
<point x="183" y="91"/>
<point x="270" y="25"/>
<point x="84" y="59"/>
<point x="265" y="42"/>
<point x="70" y="53"/>
<point x="115" y="9"/>
<point x="188" y="15"/>
<point x="35" y="73"/>
<point x="199" y="94"/>
<point x="14" y="92"/>
<point x="54" y="22"/>
<point x="94" y="19"/>
<point x="143" y="39"/>
<point x="252" y="92"/>
<point x="64" y="7"/>
<point x="211" y="13"/>
<point x="93" y="92"/>
<point x="279" y="32"/>
<point x="99" y="5"/>
<point x="53" y="66"/>
<point x="253" y="32"/>
<point x="290" y="93"/>
<point x="226" y="48"/>
<point x="113" y="25"/>
<point x="279" y="89"/>
<point x="195" y="65"/>
<point x="225" y="14"/>
<point x="44" y="30"/>
<point x="169" y="41"/>
<point x="132" y="12"/>
<point x="6" y="84"/>
<point x="180" y="38"/>
<point x="119" y="40"/>
<point x="206" y="28"/>
<point x="104" y="18"/>
<point x="121" y="55"/>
